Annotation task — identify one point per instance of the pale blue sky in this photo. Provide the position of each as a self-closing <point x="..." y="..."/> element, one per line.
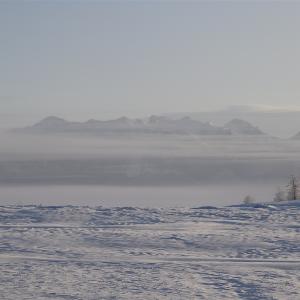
<point x="100" y="59"/>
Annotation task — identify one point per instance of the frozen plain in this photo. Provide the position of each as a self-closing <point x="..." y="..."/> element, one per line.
<point x="72" y="252"/>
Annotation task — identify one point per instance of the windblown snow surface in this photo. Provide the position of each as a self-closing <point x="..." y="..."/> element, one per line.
<point x="137" y="253"/>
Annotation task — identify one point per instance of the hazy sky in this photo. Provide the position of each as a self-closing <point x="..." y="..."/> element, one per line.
<point x="104" y="59"/>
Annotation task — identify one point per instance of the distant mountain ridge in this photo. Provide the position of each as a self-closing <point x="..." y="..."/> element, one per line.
<point x="238" y="126"/>
<point x="284" y="123"/>
<point x="153" y="124"/>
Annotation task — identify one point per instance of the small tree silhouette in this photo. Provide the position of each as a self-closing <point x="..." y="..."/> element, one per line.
<point x="248" y="200"/>
<point x="279" y="195"/>
<point x="293" y="188"/>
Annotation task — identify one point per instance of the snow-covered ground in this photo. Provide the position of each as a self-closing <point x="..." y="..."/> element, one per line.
<point x="97" y="253"/>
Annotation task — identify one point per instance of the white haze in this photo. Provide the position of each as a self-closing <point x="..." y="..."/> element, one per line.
<point x="144" y="170"/>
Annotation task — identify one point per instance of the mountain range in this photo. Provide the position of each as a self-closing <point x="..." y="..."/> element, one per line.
<point x="279" y="122"/>
<point x="153" y="124"/>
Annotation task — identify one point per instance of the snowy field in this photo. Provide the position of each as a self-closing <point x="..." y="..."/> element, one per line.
<point x="137" y="253"/>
